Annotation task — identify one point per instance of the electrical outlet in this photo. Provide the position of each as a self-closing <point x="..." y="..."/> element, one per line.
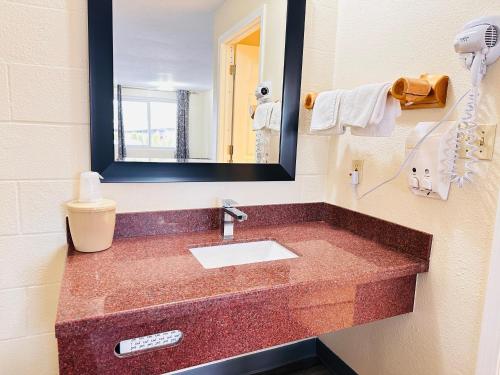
<point x="485" y="143"/>
<point x="357" y="165"/>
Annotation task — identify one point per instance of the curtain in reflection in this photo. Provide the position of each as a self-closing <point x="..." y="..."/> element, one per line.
<point x="182" y="147"/>
<point x="122" y="149"/>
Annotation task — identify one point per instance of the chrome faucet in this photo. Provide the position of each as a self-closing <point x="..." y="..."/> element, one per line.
<point x="229" y="214"/>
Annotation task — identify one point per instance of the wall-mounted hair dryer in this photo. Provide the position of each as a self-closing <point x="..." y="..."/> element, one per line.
<point x="433" y="147"/>
<point x="479" y="46"/>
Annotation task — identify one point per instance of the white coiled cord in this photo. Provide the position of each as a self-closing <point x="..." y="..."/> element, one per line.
<point x="468" y="125"/>
<point x="467" y="132"/>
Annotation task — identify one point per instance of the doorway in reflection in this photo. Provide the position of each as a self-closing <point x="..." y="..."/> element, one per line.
<point x="241" y="67"/>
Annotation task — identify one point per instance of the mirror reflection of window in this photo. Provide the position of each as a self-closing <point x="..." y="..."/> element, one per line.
<point x="149" y="123"/>
<point x="163" y="124"/>
<point x="135" y="123"/>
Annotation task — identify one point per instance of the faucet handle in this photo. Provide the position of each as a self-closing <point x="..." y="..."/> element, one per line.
<point x="227" y="203"/>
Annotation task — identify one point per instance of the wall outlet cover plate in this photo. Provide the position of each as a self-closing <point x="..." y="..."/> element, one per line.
<point x="485" y="142"/>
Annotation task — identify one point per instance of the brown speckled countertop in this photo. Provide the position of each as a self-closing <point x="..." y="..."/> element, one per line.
<point x="151" y="284"/>
<point x="144" y="272"/>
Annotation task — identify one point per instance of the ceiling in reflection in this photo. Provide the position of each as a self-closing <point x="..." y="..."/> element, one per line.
<point x="180" y="61"/>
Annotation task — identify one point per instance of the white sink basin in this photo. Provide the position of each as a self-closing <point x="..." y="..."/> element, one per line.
<point x="240" y="253"/>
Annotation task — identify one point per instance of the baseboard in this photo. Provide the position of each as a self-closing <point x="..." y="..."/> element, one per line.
<point x="293" y="368"/>
<point x="258" y="362"/>
<point x="331" y="361"/>
<point x="276" y="361"/>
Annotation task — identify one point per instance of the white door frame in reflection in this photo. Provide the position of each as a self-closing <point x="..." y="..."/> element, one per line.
<point x="223" y="81"/>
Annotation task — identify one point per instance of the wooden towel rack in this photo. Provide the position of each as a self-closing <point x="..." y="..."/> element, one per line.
<point x="427" y="91"/>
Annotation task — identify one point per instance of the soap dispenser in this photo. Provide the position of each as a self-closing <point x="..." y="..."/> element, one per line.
<point x="91" y="218"/>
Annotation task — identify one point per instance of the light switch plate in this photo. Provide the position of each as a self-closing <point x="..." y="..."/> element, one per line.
<point x="485" y="142"/>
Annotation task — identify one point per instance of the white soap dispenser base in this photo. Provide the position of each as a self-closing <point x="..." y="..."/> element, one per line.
<point x="92" y="225"/>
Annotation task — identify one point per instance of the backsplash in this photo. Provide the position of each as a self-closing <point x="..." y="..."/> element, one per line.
<point x="156" y="223"/>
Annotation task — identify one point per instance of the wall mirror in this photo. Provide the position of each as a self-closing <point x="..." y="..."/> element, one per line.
<point x="195" y="90"/>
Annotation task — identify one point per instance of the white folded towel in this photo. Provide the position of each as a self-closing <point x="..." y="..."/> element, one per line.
<point x="326" y="111"/>
<point x="383" y="121"/>
<point x="380" y="106"/>
<point x="359" y="105"/>
<point x="262" y="117"/>
<point x="275" y="121"/>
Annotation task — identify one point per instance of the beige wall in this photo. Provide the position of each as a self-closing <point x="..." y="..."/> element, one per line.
<point x="381" y="40"/>
<point x="44" y="138"/>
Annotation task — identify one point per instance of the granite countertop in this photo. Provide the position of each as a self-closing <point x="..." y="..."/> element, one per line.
<point x="144" y="272"/>
<point x="351" y="269"/>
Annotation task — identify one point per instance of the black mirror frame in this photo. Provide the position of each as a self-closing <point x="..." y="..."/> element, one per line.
<point x="100" y="28"/>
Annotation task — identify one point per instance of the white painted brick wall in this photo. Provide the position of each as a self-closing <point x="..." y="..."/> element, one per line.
<point x="49" y="95"/>
<point x="54" y="159"/>
<point x="4" y="93"/>
<point x="9" y="220"/>
<point x="29" y="260"/>
<point x="12" y="313"/>
<point x="44" y="138"/>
